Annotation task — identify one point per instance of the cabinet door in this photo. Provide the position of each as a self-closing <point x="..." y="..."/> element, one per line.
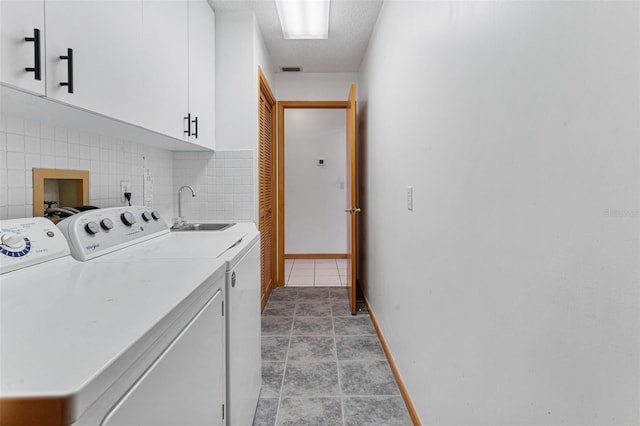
<point x="19" y="19"/>
<point x="106" y="38"/>
<point x="166" y="87"/>
<point x="185" y="386"/>
<point x="202" y="71"/>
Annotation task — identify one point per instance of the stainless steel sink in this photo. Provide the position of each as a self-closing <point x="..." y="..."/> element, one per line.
<point x="202" y="227"/>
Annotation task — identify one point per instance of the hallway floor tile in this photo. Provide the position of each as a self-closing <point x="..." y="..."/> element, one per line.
<point x="323" y="366"/>
<point x="315" y="272"/>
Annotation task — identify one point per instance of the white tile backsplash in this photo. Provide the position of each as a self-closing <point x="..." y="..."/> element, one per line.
<point x="32" y="128"/>
<point x="27" y="144"/>
<point x="14" y="125"/>
<point x="224" y="181"/>
<point x="15" y="143"/>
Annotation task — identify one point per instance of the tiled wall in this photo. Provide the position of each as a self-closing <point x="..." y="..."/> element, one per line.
<point x="27" y="144"/>
<point x="224" y="182"/>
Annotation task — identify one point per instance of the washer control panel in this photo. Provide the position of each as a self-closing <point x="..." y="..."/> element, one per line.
<point x="94" y="233"/>
<point x="29" y="241"/>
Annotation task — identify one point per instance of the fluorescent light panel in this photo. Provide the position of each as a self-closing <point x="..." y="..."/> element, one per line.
<point x="304" y="19"/>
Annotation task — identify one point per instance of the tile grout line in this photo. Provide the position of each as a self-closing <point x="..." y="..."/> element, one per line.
<point x="286" y="280"/>
<point x="286" y="360"/>
<point x="335" y="345"/>
<point x="289" y="274"/>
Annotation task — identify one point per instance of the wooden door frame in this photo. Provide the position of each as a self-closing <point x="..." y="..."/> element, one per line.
<point x="282" y="106"/>
<point x="264" y="89"/>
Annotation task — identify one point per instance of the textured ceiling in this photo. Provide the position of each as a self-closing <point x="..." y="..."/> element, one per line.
<point x="350" y="25"/>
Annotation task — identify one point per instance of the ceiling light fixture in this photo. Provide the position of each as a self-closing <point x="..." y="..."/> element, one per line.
<point x="304" y="19"/>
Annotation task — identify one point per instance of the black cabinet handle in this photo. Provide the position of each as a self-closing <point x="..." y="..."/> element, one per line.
<point x="189" y="122"/>
<point x="69" y="59"/>
<point x="36" y="54"/>
<point x="188" y="118"/>
<point x="195" y="133"/>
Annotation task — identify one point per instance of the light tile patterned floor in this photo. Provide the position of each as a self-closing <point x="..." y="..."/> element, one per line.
<point x="323" y="366"/>
<point x="315" y="272"/>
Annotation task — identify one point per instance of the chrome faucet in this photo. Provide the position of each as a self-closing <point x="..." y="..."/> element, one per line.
<point x="181" y="219"/>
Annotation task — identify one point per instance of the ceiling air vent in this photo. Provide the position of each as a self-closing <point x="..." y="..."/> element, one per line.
<point x="291" y="69"/>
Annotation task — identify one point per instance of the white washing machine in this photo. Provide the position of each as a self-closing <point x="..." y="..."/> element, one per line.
<point x="238" y="247"/>
<point x="80" y="338"/>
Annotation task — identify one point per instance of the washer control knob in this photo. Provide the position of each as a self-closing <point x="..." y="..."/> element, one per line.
<point x="12" y="240"/>
<point x="92" y="228"/>
<point x="106" y="224"/>
<point x="146" y="216"/>
<point x="155" y="215"/>
<point x="128" y="218"/>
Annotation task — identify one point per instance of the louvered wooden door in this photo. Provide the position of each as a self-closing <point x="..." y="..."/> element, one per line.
<point x="266" y="177"/>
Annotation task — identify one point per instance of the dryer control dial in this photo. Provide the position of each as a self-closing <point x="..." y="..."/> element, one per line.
<point x="128" y="218"/>
<point x="92" y="228"/>
<point x="106" y="224"/>
<point x="12" y="240"/>
<point x="29" y="241"/>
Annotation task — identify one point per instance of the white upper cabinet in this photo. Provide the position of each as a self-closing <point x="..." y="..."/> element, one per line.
<point x="179" y="68"/>
<point x="22" y="44"/>
<point x="202" y="72"/>
<point x="149" y="63"/>
<point x="166" y="68"/>
<point x="94" y="54"/>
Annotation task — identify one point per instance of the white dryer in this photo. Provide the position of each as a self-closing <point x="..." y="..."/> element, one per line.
<point x="237" y="247"/>
<point x="184" y="379"/>
<point x="244" y="356"/>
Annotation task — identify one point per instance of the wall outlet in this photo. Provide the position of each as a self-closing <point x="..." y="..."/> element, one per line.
<point x="410" y="198"/>
<point x="125" y="186"/>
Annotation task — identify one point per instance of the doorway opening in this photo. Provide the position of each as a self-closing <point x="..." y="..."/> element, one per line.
<point x="315" y="169"/>
<point x="343" y="184"/>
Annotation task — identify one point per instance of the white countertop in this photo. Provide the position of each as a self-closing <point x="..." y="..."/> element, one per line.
<point x="64" y="323"/>
<point x="70" y="329"/>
